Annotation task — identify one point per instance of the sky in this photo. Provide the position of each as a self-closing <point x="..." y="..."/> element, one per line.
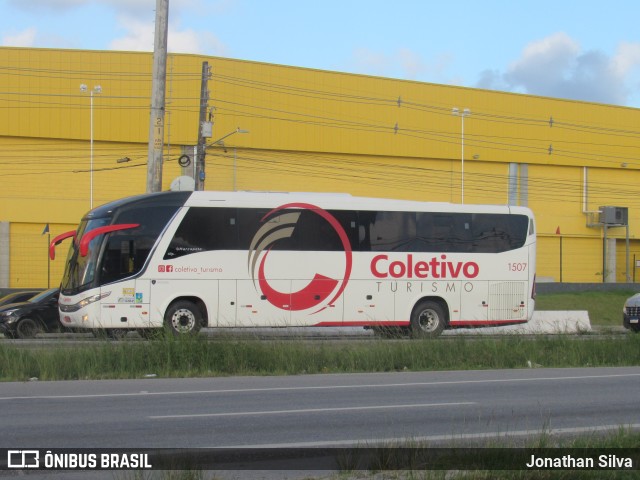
<point x="578" y="49"/>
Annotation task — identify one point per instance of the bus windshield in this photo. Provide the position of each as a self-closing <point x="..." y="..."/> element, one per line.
<point x="80" y="271"/>
<point x="117" y="254"/>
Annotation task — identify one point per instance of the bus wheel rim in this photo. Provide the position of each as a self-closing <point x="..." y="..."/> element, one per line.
<point x="183" y="320"/>
<point x="428" y="320"/>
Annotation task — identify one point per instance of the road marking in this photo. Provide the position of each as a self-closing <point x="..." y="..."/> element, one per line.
<point x="309" y="410"/>
<point x="321" y="387"/>
<point x="395" y="441"/>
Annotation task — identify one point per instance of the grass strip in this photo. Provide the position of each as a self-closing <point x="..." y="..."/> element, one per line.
<point x="198" y="357"/>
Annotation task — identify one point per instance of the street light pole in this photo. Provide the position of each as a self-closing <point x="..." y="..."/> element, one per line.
<point x="465" y="113"/>
<point x="158" y="93"/>
<point x="95" y="90"/>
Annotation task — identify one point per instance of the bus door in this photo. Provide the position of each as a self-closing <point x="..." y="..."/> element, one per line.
<point x="227" y="304"/>
<point x="126" y="299"/>
<point x="256" y="308"/>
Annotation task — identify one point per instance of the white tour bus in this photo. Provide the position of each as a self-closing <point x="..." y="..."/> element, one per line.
<point x="187" y="260"/>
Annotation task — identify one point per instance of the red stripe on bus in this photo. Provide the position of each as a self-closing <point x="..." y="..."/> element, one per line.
<point x="486" y="323"/>
<point x="363" y="323"/>
<point x="406" y="323"/>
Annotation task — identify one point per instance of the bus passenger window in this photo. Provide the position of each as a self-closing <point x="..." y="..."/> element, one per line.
<point x="203" y="229"/>
<point x="393" y="231"/>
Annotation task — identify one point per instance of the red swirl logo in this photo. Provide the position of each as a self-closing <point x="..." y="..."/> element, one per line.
<point x="322" y="290"/>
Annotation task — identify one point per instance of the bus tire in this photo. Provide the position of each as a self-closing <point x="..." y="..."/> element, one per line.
<point x="427" y="319"/>
<point x="27" y="328"/>
<point x="183" y="318"/>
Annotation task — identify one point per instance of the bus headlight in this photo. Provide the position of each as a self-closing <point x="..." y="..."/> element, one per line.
<point x="84" y="302"/>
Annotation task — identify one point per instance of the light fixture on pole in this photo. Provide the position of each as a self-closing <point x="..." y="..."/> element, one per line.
<point x="465" y="113"/>
<point x="200" y="165"/>
<point x="95" y="90"/>
<point x="237" y="130"/>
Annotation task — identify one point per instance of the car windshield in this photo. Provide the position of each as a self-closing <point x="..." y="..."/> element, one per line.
<point x="11" y="297"/>
<point x="80" y="271"/>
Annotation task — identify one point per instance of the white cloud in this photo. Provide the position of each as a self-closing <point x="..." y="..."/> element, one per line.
<point x="188" y="41"/>
<point x="139" y="36"/>
<point x="135" y="23"/>
<point x="370" y="62"/>
<point x="403" y="63"/>
<point x="543" y="65"/>
<point x="25" y="38"/>
<point x="411" y="63"/>
<point x="626" y="58"/>
<point x="556" y="66"/>
<point x="52" y="5"/>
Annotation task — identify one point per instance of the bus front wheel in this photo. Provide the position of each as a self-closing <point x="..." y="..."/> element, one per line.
<point x="427" y="320"/>
<point x="183" y="318"/>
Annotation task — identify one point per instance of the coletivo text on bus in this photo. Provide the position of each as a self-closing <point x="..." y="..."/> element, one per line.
<point x="383" y="267"/>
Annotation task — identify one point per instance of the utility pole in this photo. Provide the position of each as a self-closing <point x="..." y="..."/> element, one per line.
<point x="201" y="148"/>
<point x="158" y="87"/>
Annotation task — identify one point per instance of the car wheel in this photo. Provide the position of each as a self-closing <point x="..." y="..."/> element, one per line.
<point x="427" y="320"/>
<point x="183" y="318"/>
<point x="27" y="328"/>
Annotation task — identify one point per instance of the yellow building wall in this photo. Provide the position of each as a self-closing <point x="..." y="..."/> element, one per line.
<point x="30" y="265"/>
<point x="385" y="177"/>
<point x="308" y="130"/>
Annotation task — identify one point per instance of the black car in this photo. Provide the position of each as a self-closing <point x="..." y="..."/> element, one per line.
<point x="631" y="313"/>
<point x="18" y="297"/>
<point x="26" y="319"/>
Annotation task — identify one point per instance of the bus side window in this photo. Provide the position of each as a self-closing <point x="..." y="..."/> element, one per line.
<point x="433" y="231"/>
<point x="393" y="231"/>
<point x="204" y="229"/>
<point x="494" y="233"/>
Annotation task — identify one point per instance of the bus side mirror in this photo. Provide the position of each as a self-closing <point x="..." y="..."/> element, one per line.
<point x="57" y="241"/>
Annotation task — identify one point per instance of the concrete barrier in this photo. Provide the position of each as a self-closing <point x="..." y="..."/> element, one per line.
<point x="542" y="322"/>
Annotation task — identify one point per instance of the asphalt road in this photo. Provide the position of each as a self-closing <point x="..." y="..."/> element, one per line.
<point x="316" y="410"/>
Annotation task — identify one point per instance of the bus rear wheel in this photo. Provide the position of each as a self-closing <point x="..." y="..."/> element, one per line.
<point x="183" y="318"/>
<point x="427" y="320"/>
